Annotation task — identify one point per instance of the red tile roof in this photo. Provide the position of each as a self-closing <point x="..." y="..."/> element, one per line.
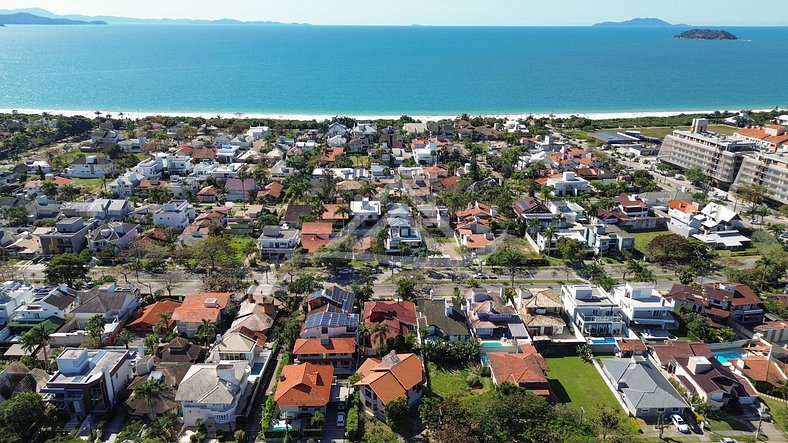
<point x="311" y="243"/>
<point x="392" y="376"/>
<point x="316" y="228"/>
<point x="399" y="316"/>
<point x="631" y="345"/>
<point x="304" y="385"/>
<point x="478" y="241"/>
<point x="316" y="346"/>
<point x="518" y="369"/>
<point x="684" y="206"/>
<point x="330" y="212"/>
<point x="147" y="317"/>
<point x="672" y="349"/>
<point x="193" y="309"/>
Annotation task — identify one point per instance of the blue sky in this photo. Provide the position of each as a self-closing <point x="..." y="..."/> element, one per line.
<point x="433" y="12"/>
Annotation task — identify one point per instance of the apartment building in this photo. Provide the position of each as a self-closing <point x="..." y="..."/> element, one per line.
<point x="719" y="156"/>
<point x="767" y="170"/>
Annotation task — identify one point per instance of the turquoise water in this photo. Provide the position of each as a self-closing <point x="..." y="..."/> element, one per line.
<point x="724" y="356"/>
<point x="386" y="70"/>
<point x="257" y="368"/>
<point x="603" y="341"/>
<point x="492" y="344"/>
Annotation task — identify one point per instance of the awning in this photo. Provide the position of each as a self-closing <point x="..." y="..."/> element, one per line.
<point x="517" y="330"/>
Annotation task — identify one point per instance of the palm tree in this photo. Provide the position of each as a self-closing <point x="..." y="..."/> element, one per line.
<point x="549" y="233"/>
<point x="164" y="319"/>
<point x="35" y="337"/>
<point x="206" y="330"/>
<point x="776" y="229"/>
<point x="124" y="337"/>
<point x="380" y="332"/>
<point x="363" y="332"/>
<point x="242" y="176"/>
<point x="345" y="212"/>
<point x="513" y="261"/>
<point x="149" y="392"/>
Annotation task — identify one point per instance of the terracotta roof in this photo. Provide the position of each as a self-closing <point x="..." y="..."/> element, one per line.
<point x="148" y="316"/>
<point x="304" y="385"/>
<point x="758" y="133"/>
<point x="330" y="212"/>
<point x="672" y="349"/>
<point x="759" y="368"/>
<point x="316" y="346"/>
<point x="311" y="243"/>
<point x="741" y="295"/>
<point x="208" y="191"/>
<point x="631" y="345"/>
<point x="193" y="309"/>
<point x="478" y="241"/>
<point x="316" y="228"/>
<point x="332" y="153"/>
<point x="392" y="376"/>
<point x="273" y="189"/>
<point x="399" y="316"/>
<point x="684" y="206"/>
<point x="518" y="368"/>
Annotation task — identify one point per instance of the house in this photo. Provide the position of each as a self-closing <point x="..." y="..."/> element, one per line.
<point x="334" y="297"/>
<point x="531" y="208"/>
<point x="240" y="190"/>
<point x="88" y="381"/>
<point x="125" y="185"/>
<point x="402" y="231"/>
<point x="630" y="347"/>
<point x="278" y="243"/>
<point x="47" y="302"/>
<point x="773" y="331"/>
<point x="17" y="378"/>
<point x="366" y="212"/>
<point x="237" y="346"/>
<point x="112" y="236"/>
<point x="337" y="129"/>
<point x="280" y="170"/>
<point x="540" y="310"/>
<point x="196" y="308"/>
<point x="208" y="194"/>
<point x="632" y="206"/>
<point x="338" y="352"/>
<point x="424" y="152"/>
<point x="490" y="316"/>
<point x="133" y="146"/>
<point x="591" y="309"/>
<point x="331" y="323"/>
<point x="68" y="235"/>
<point x="526" y="369"/>
<point x="166" y="377"/>
<point x="767" y="372"/>
<point x="642" y="387"/>
<point x="315" y="235"/>
<point x="603" y="239"/>
<point x="713" y="382"/>
<point x="213" y="394"/>
<point x="175" y="214"/>
<point x="442" y="320"/>
<point x="294" y="215"/>
<point x="116" y="304"/>
<point x="479" y="213"/>
<point x="146" y="319"/>
<point x="715" y="225"/>
<point x="178" y="350"/>
<point x="720" y="303"/>
<point x="13" y="294"/>
<point x="398" y="316"/>
<point x="568" y="183"/>
<point x="337" y="214"/>
<point x="642" y="305"/>
<point x="258" y="132"/>
<point x="105" y="137"/>
<point x="225" y="171"/>
<point x="303" y="389"/>
<point x="101" y="208"/>
<point x="90" y="166"/>
<point x="386" y="379"/>
<point x="272" y="192"/>
<point x="255" y="318"/>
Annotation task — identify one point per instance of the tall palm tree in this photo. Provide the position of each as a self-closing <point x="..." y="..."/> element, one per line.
<point x="149" y="392"/>
<point x="35" y="337"/>
<point x="206" y="330"/>
<point x="242" y="176"/>
<point x="124" y="337"/>
<point x="549" y="233"/>
<point x="363" y="332"/>
<point x="380" y="332"/>
<point x="345" y="212"/>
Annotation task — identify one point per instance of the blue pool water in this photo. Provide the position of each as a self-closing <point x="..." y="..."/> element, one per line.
<point x="492" y="344"/>
<point x="724" y="356"/>
<point x="257" y="368"/>
<point x="603" y="341"/>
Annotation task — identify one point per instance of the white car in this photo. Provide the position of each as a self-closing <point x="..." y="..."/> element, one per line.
<point x="728" y="440"/>
<point x="681" y="425"/>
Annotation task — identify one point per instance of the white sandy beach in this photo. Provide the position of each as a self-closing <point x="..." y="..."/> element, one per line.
<point x="321" y="117"/>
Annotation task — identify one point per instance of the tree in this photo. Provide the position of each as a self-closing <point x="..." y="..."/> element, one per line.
<point x="304" y="284"/>
<point x="406" y="289"/>
<point x="379" y="332"/>
<point x="95" y="329"/>
<point x="206" y="331"/>
<point x="752" y="193"/>
<point x="662" y="424"/>
<point x="318" y="420"/>
<point x="21" y="417"/>
<point x="16" y="215"/>
<point x="69" y="192"/>
<point x="363" y="293"/>
<point x="510" y="258"/>
<point x="49" y="188"/>
<point x="149" y="392"/>
<point x="695" y="175"/>
<point x="124" y="337"/>
<point x="673" y="249"/>
<point x="68" y="268"/>
<point x="607" y="418"/>
<point x="570" y="250"/>
<point x="549" y="234"/>
<point x="35" y="337"/>
<point x="397" y="414"/>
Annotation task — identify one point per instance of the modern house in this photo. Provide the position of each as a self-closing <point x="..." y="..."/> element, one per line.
<point x="642" y="387"/>
<point x="642" y="305"/>
<point x="68" y="235"/>
<point x="175" y="214"/>
<point x="278" y="243"/>
<point x="113" y="236"/>
<point x="116" y="304"/>
<point x="366" y="212"/>
<point x="48" y="301"/>
<point x="721" y="303"/>
<point x="603" y="239"/>
<point x="88" y="381"/>
<point x="213" y="394"/>
<point x="304" y="390"/>
<point x="442" y="320"/>
<point x="593" y="311"/>
<point x="568" y="183"/>
<point x="334" y="297"/>
<point x="386" y="379"/>
<point x="90" y="167"/>
<point x="13" y="294"/>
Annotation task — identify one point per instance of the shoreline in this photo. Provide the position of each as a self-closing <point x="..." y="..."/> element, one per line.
<point x="321" y="117"/>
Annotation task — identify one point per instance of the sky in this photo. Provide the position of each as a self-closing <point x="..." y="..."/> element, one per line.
<point x="433" y="12"/>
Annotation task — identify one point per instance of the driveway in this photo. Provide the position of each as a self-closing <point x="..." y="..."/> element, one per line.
<point x="331" y="433"/>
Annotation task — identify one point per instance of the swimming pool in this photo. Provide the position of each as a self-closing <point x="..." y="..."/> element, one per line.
<point x="257" y="368"/>
<point x="724" y="356"/>
<point x="492" y="344"/>
<point x="603" y="341"/>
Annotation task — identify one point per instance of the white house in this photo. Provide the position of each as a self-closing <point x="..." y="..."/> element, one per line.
<point x="90" y="167"/>
<point x="212" y="393"/>
<point x="133" y="145"/>
<point x="278" y="242"/>
<point x="47" y="302"/>
<point x="124" y="185"/>
<point x="641" y="304"/>
<point x="568" y="183"/>
<point x="13" y="294"/>
<point x="366" y="211"/>
<point x="258" y="132"/>
<point x="426" y="155"/>
<point x="235" y="346"/>
<point x="175" y="214"/>
<point x="592" y="311"/>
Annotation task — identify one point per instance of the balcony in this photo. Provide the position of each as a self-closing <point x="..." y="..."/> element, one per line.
<point x="616" y="318"/>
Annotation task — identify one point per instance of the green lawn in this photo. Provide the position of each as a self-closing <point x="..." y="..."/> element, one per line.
<point x="642" y="239"/>
<point x="359" y="160"/>
<point x="777" y="411"/>
<point x="89" y="185"/>
<point x="451" y="383"/>
<point x="578" y="384"/>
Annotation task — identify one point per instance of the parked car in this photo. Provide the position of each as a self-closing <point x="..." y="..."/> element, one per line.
<point x="681" y="425"/>
<point x="728" y="440"/>
<point x="341" y="420"/>
<point x="345" y="271"/>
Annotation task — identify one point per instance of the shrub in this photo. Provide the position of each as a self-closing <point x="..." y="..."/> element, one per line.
<point x="636" y="425"/>
<point x="473" y="381"/>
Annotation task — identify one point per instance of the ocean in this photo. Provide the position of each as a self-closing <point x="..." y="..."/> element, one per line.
<point x="320" y="70"/>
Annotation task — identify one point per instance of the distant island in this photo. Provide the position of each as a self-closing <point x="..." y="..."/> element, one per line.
<point x="24" y="18"/>
<point x="648" y="22"/>
<point x="38" y="16"/>
<point x="706" y="34"/>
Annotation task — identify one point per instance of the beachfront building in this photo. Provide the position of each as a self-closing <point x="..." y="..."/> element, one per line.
<point x="767" y="170"/>
<point x="719" y="156"/>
